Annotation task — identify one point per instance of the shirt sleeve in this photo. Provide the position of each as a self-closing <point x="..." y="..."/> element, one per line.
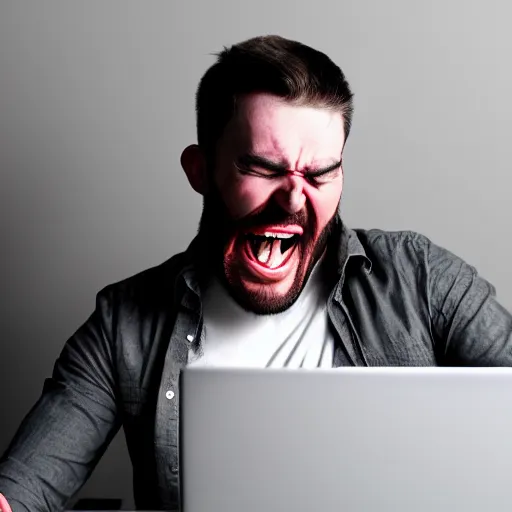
<point x="470" y="326"/>
<point x="66" y="432"/>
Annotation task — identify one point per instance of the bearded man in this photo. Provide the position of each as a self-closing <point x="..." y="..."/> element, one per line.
<point x="274" y="278"/>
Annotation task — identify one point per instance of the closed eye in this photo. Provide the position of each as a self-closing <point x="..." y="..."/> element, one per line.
<point x="317" y="177"/>
<point x="323" y="176"/>
<point x="261" y="173"/>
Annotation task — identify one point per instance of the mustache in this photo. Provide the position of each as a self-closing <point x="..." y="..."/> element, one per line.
<point x="216" y="223"/>
<point x="273" y="214"/>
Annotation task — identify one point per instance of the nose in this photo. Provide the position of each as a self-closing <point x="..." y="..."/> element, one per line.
<point x="290" y="195"/>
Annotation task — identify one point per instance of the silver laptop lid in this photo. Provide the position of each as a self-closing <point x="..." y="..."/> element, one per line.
<point x="356" y="439"/>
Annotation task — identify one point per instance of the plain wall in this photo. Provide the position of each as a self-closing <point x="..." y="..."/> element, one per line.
<point x="97" y="103"/>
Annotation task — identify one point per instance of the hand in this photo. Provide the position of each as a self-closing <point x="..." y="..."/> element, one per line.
<point x="4" y="506"/>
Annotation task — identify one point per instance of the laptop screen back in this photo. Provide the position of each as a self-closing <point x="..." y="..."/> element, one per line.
<point x="355" y="439"/>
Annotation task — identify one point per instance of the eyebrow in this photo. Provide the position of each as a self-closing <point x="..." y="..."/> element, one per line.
<point x="251" y="159"/>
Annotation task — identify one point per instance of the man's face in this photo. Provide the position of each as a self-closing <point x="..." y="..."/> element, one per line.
<point x="274" y="193"/>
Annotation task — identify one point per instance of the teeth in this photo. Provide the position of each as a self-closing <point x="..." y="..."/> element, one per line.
<point x="269" y="234"/>
<point x="270" y="248"/>
<point x="264" y="252"/>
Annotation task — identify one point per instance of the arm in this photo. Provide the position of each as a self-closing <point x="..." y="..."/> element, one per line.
<point x="471" y="327"/>
<point x="62" y="438"/>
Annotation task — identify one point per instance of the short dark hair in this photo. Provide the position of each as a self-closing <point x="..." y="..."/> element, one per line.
<point x="271" y="64"/>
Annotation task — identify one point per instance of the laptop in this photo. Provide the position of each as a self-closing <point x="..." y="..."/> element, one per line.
<point x="354" y="439"/>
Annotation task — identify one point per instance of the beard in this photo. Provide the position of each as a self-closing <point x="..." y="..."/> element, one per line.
<point x="218" y="230"/>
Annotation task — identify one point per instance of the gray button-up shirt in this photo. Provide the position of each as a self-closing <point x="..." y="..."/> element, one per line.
<point x="397" y="299"/>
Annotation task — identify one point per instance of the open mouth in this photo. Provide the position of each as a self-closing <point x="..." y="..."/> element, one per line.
<point x="271" y="249"/>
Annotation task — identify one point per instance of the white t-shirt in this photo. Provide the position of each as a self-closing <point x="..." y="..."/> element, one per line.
<point x="299" y="337"/>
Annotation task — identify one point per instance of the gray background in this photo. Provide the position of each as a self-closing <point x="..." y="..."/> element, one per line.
<point x="97" y="102"/>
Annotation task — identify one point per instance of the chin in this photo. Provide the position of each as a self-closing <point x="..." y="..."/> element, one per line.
<point x="264" y="297"/>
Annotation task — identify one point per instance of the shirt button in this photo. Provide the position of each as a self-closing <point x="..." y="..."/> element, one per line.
<point x="190" y="337"/>
<point x="169" y="394"/>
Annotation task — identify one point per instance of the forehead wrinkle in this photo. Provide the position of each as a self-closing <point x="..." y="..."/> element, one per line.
<point x="261" y="128"/>
<point x="268" y="148"/>
<point x="277" y="151"/>
<point x="301" y="153"/>
<point x="306" y="159"/>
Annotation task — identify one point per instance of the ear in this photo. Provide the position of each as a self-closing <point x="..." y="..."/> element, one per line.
<point x="193" y="162"/>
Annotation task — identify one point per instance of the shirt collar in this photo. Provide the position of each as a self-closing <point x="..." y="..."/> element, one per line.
<point x="348" y="246"/>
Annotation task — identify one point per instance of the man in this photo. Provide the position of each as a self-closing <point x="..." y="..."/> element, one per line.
<point x="273" y="278"/>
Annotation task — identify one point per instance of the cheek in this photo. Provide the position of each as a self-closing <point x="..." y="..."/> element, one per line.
<point x="325" y="206"/>
<point x="242" y="197"/>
